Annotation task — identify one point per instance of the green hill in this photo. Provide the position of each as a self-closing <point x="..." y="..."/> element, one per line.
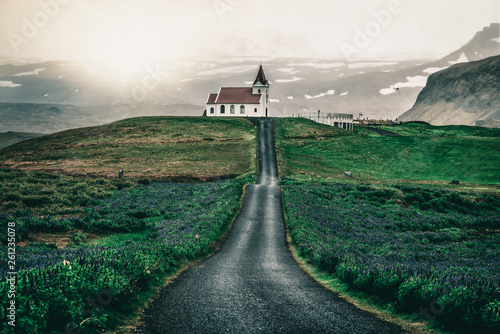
<point x="161" y="148"/>
<point x="422" y="153"/>
<point x="11" y="138"/>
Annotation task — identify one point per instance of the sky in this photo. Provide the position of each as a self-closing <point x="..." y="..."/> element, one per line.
<point x="131" y="31"/>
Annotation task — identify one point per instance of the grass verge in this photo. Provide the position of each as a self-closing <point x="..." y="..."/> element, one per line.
<point x="381" y="308"/>
<point x="424" y="251"/>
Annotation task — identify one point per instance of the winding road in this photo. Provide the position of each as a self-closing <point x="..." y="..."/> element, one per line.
<point x="252" y="284"/>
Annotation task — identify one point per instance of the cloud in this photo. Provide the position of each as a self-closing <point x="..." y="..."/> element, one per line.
<point x="330" y="92"/>
<point x="319" y="65"/>
<point x="461" y="59"/>
<point x="289" y="80"/>
<point x="431" y="70"/>
<point x="9" y="84"/>
<point x="230" y="70"/>
<point x="34" y="72"/>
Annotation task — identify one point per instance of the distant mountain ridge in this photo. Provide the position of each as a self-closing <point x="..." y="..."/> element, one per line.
<point x="461" y="94"/>
<point x="11" y="138"/>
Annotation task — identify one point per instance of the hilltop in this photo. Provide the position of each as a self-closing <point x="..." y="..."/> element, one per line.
<point x="161" y="148"/>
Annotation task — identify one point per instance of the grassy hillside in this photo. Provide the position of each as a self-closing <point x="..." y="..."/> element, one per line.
<point x="115" y="240"/>
<point x="421" y="153"/>
<point x="162" y="148"/>
<point x="11" y="138"/>
<point x="48" y="175"/>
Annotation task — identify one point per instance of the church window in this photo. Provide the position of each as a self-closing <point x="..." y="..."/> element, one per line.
<point x="259" y="91"/>
<point x="255" y="110"/>
<point x="222" y="109"/>
<point x="231" y="110"/>
<point x="212" y="110"/>
<point x="242" y="109"/>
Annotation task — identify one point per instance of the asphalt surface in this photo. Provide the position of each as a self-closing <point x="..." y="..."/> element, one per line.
<point x="253" y="284"/>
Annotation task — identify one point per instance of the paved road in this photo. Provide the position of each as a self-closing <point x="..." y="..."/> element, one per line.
<point x="252" y="284"/>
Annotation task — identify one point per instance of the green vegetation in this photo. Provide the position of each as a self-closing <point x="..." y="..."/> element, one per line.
<point x="421" y="153"/>
<point x="11" y="138"/>
<point x="123" y="238"/>
<point x="156" y="148"/>
<point x="417" y="129"/>
<point x="416" y="258"/>
<point x="45" y="194"/>
<point x="94" y="287"/>
<point x="424" y="254"/>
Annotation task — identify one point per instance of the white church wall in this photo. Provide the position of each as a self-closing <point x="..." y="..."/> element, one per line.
<point x="249" y="110"/>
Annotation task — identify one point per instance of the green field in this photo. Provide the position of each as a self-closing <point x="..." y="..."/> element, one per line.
<point x="159" y="148"/>
<point x="82" y="233"/>
<point x="422" y="153"/>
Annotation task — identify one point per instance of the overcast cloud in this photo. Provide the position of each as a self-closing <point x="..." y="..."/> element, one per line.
<point x="141" y="29"/>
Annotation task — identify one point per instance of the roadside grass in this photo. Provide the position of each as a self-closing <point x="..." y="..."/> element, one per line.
<point x="418" y="252"/>
<point x="174" y="225"/>
<point x="157" y="148"/>
<point x="421" y="154"/>
<point x="380" y="307"/>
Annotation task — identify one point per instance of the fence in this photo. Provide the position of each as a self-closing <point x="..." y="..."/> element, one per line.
<point x="343" y="121"/>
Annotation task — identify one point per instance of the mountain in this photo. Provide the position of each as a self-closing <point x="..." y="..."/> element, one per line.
<point x="461" y="94"/>
<point x="486" y="43"/>
<point x="389" y="92"/>
<point x="11" y="138"/>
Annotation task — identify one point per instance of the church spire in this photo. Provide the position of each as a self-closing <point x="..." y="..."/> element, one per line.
<point x="261" y="77"/>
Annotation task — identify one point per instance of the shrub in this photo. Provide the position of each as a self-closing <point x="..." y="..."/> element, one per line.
<point x="15" y="197"/>
<point x="78" y="237"/>
<point x="34" y="201"/>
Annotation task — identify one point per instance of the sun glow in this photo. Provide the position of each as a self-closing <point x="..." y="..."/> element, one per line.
<point x="129" y="53"/>
<point x="130" y="42"/>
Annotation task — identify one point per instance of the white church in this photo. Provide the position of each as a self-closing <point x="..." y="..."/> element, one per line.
<point x="241" y="101"/>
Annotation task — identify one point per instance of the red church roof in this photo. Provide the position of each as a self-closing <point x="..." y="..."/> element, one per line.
<point x="235" y="95"/>
<point x="212" y="98"/>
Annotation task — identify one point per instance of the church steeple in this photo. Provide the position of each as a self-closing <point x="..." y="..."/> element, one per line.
<point x="261" y="77"/>
<point x="261" y="86"/>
